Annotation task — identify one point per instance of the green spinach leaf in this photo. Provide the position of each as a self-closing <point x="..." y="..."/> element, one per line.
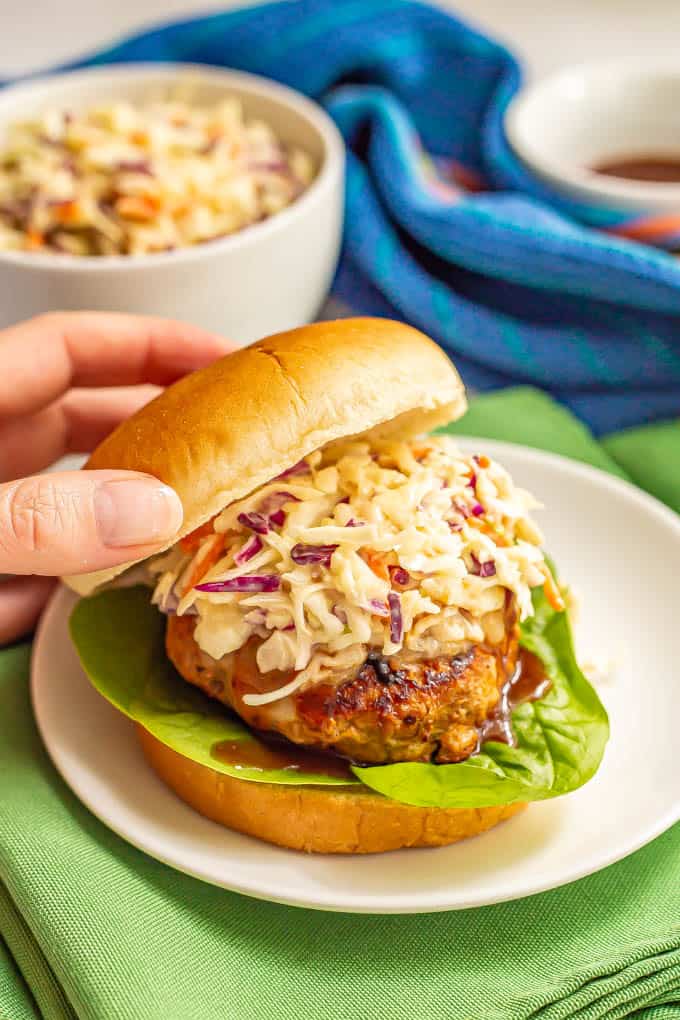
<point x="560" y="738"/>
<point x="119" y="637"/>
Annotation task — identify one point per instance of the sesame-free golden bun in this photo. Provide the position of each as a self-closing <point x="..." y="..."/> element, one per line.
<point x="316" y="819"/>
<point x="218" y="434"/>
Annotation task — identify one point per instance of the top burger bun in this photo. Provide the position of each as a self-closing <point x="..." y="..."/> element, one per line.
<point x="219" y="433"/>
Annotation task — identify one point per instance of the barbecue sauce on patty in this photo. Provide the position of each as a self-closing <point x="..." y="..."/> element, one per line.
<point x="528" y="682"/>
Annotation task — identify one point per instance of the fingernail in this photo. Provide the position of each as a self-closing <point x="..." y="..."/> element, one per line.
<point x="136" y="512"/>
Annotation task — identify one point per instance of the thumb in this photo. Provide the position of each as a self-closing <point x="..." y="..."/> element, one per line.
<point x="77" y="521"/>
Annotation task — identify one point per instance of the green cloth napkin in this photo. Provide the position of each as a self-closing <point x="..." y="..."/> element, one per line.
<point x="101" y="932"/>
<point x="16" y="1001"/>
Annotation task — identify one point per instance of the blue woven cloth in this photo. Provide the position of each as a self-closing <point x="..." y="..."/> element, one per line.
<point x="513" y="287"/>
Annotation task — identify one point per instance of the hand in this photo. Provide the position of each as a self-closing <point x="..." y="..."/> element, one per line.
<point x="53" y="371"/>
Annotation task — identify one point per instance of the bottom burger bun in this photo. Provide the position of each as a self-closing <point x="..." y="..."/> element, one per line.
<point x="311" y="818"/>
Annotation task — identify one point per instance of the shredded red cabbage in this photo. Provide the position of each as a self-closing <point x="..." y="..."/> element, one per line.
<point x="275" y="500"/>
<point x="301" y="468"/>
<point x="272" y="507"/>
<point x="399" y="576"/>
<point x="461" y="509"/>
<point x="273" y="166"/>
<point x="59" y="203"/>
<point x="487" y="569"/>
<point x="353" y="523"/>
<point x="478" y="510"/>
<point x="245" y="583"/>
<point x="396" y="622"/>
<point x="247" y="551"/>
<point x="256" y="522"/>
<point x="302" y="554"/>
<point x="378" y="608"/>
<point x="473" y="481"/>
<point x="135" y="166"/>
<point x="170" y="606"/>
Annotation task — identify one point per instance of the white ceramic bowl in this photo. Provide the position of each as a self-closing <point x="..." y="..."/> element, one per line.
<point x="580" y="117"/>
<point x="268" y="277"/>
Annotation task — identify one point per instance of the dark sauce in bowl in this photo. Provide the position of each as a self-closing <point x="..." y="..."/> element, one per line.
<point x="650" y="168"/>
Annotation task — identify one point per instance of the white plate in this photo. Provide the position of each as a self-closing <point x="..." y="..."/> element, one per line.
<point x="621" y="551"/>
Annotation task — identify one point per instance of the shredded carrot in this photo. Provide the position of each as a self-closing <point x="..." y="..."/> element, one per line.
<point x="139" y="137"/>
<point x="34" y="239"/>
<point x="212" y="554"/>
<point x="137" y="207"/>
<point x="421" y="451"/>
<point x="192" y="541"/>
<point x="66" y="212"/>
<point x="481" y="525"/>
<point x="553" y="593"/>
<point x="483" y="461"/>
<point x="377" y="562"/>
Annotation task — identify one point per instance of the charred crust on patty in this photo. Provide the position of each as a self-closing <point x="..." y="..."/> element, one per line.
<point x="393" y="708"/>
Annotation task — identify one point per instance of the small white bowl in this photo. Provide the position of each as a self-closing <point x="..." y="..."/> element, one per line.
<point x="583" y="116"/>
<point x="268" y="277"/>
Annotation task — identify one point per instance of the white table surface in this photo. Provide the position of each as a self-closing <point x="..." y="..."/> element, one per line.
<point x="546" y="34"/>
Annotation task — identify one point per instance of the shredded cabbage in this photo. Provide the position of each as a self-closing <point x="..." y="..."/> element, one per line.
<point x="392" y="545"/>
<point x="123" y="179"/>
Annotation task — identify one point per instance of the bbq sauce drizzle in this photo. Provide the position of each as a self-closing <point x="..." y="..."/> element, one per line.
<point x="528" y="682"/>
<point x="656" y="169"/>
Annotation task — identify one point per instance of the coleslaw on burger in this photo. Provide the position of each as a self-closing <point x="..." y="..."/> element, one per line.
<point x="390" y="544"/>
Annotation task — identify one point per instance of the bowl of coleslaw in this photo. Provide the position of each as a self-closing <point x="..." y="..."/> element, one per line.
<point x="180" y="190"/>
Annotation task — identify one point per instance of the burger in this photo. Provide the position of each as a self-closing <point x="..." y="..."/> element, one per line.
<point x="356" y="643"/>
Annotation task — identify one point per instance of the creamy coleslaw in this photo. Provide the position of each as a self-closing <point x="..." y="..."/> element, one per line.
<point x="408" y="545"/>
<point x="125" y="179"/>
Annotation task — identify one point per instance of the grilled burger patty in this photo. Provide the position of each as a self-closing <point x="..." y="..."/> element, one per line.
<point x="394" y="708"/>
